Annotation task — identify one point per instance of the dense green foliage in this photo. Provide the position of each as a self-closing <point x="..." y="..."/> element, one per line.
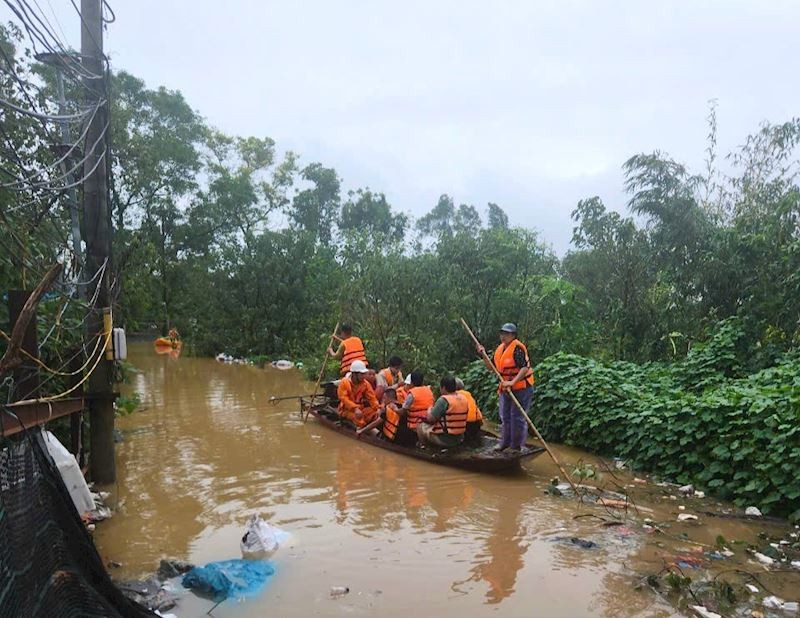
<point x="247" y="250"/>
<point x="701" y="420"/>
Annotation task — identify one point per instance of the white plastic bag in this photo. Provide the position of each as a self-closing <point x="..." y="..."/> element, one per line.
<point x="260" y="539"/>
<point x="71" y="473"/>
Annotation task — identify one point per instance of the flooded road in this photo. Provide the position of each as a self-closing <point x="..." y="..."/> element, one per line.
<point x="408" y="538"/>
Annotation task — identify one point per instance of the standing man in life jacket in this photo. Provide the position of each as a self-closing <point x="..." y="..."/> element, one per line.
<point x="357" y="401"/>
<point x="418" y="400"/>
<point x="446" y="422"/>
<point x="350" y="349"/>
<point x="511" y="360"/>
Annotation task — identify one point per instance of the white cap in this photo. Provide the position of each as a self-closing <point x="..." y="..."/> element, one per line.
<point x="358" y="367"/>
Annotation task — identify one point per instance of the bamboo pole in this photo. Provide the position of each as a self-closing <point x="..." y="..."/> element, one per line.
<point x="519" y="407"/>
<point x="322" y="369"/>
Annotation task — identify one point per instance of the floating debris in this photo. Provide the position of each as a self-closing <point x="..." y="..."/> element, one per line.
<point x="701" y="610"/>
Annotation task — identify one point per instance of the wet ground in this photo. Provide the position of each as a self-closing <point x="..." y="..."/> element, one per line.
<point x="408" y="538"/>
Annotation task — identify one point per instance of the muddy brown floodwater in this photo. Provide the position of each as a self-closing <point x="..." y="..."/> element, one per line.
<point x="408" y="538"/>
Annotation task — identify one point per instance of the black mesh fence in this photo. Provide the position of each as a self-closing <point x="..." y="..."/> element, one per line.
<point x="49" y="566"/>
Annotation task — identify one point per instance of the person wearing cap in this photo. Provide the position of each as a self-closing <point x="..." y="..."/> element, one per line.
<point x="357" y="401"/>
<point x="350" y="349"/>
<point x="474" y="415"/>
<point x="512" y="361"/>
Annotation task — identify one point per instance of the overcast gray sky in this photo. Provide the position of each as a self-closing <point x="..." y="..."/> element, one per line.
<point x="532" y="105"/>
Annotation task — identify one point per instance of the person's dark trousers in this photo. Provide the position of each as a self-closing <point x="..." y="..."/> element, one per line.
<point x="515" y="427"/>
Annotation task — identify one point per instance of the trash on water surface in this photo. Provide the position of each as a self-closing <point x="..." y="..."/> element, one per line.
<point x="762" y="558"/>
<point x="687" y="517"/>
<point x="752" y="511"/>
<point x="582" y="543"/>
<point x="260" y="539"/>
<point x="339" y="591"/>
<point x="688" y="562"/>
<point x="701" y="610"/>
<point x="226" y="578"/>
<point x="282" y="364"/>
<point x="773" y="602"/>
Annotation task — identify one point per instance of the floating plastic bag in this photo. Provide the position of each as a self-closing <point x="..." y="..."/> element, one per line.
<point x="260" y="539"/>
<point x="229" y="578"/>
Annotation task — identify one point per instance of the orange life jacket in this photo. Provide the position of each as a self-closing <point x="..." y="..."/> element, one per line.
<point x="353" y="351"/>
<point x="423" y="401"/>
<point x="387" y="374"/>
<point x="358" y="395"/>
<point x="391" y="422"/>
<point x="504" y="361"/>
<point x="474" y="413"/>
<point x="401" y="391"/>
<point x="454" y="421"/>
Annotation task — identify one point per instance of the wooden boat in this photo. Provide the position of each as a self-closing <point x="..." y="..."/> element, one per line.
<point x="479" y="458"/>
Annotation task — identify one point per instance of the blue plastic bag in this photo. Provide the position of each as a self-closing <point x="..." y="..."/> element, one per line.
<point x="227" y="578"/>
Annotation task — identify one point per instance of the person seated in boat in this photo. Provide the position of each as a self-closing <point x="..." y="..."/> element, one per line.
<point x="472" y="435"/>
<point x="402" y="389"/>
<point x="357" y="401"/>
<point x="173" y="335"/>
<point x="418" y="400"/>
<point x="446" y="422"/>
<point x="350" y="349"/>
<point x="391" y="375"/>
<point x="395" y="426"/>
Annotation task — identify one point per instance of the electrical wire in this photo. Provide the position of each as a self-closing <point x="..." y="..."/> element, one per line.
<point x="48" y="117"/>
<point x="55" y="372"/>
<point x="66" y="155"/>
<point x="110" y="10"/>
<point x="72" y="388"/>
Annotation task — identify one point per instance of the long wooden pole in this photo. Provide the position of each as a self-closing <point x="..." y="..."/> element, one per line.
<point x="519" y="407"/>
<point x="322" y="369"/>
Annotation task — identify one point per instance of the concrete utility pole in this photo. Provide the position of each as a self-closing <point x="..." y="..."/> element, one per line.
<point x="98" y="246"/>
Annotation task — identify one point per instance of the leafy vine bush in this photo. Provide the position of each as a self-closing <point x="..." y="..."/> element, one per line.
<point x="739" y="438"/>
<point x="697" y="421"/>
<point x="483" y="386"/>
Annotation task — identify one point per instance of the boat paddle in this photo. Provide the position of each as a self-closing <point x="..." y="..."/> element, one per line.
<point x="519" y="407"/>
<point x="321" y="370"/>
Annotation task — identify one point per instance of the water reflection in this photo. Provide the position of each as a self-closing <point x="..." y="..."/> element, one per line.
<point x="209" y="450"/>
